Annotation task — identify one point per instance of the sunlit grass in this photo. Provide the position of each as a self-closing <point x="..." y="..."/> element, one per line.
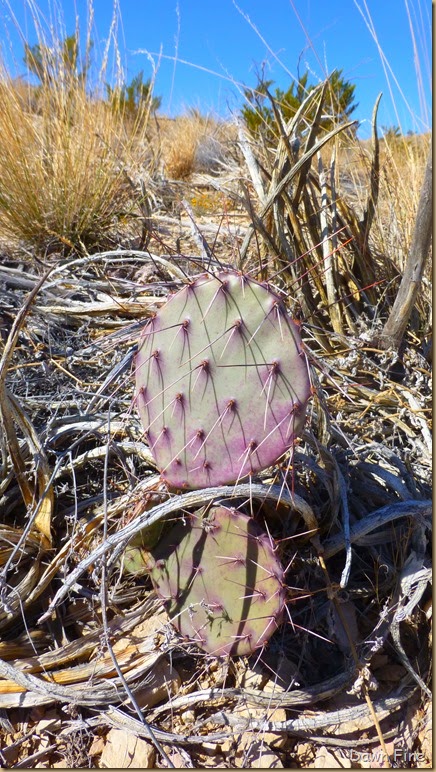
<point x="65" y="155"/>
<point x="193" y="142"/>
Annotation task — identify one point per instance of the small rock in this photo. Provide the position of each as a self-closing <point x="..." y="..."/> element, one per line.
<point x="187" y="717"/>
<point x="96" y="746"/>
<point x="50" y="723"/>
<point x="124" y="750"/>
<point x="327" y="759"/>
<point x="163" y="681"/>
<point x="255" y="754"/>
<point x="215" y="762"/>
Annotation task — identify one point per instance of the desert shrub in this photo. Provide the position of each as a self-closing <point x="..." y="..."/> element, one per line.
<point x="132" y="97"/>
<point x="258" y="112"/>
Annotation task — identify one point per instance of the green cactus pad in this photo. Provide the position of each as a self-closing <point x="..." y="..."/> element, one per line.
<point x="222" y="381"/>
<point x="221" y="581"/>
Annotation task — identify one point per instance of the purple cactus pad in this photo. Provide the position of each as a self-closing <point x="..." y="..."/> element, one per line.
<point x="222" y="381"/>
<point x="221" y="581"/>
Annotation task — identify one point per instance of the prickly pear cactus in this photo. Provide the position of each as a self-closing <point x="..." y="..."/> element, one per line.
<point x="222" y="382"/>
<point x="221" y="581"/>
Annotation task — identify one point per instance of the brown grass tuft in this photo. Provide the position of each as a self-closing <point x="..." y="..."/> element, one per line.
<point x="192" y="143"/>
<point x="63" y="158"/>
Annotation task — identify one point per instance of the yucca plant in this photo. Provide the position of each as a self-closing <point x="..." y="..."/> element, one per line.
<point x="332" y="250"/>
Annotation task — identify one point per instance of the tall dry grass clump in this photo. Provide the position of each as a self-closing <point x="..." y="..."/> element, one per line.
<point x="192" y="143"/>
<point x="389" y="171"/>
<point x="64" y="154"/>
<point x="399" y="171"/>
<point x="403" y="161"/>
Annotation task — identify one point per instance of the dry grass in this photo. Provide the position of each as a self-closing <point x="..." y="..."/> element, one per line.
<point x="400" y="175"/>
<point x="63" y="170"/>
<point x="65" y="158"/>
<point x="68" y="159"/>
<point x="193" y="143"/>
<point x="402" y="170"/>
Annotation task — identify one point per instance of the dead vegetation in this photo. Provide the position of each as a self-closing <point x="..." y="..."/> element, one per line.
<point x="91" y="672"/>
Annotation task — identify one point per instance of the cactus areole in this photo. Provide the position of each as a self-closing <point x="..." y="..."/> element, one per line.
<point x="222" y="381"/>
<point x="221" y="581"/>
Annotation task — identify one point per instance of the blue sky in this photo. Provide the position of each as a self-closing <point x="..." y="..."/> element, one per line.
<point x="224" y="52"/>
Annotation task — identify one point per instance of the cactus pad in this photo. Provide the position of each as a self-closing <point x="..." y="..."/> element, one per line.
<point x="222" y="381"/>
<point x="221" y="581"/>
